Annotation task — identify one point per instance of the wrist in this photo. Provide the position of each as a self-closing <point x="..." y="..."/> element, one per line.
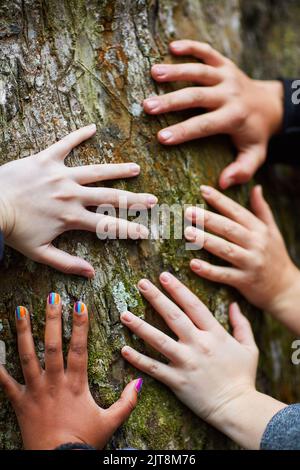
<point x="245" y="417"/>
<point x="272" y="106"/>
<point x="51" y="443"/>
<point x="283" y="305"/>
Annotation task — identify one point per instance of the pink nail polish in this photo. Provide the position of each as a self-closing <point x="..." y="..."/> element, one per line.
<point x="139" y="384"/>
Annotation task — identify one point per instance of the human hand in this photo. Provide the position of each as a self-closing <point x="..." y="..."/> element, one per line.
<point x="41" y="198"/>
<point x="261" y="268"/>
<point x="55" y="405"/>
<point x="250" y="111"/>
<point x="210" y="371"/>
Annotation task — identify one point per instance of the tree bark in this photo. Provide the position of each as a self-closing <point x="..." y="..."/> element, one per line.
<point x="64" y="64"/>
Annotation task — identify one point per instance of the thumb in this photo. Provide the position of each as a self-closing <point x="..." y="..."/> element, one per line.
<point x="242" y="330"/>
<point x="122" y="408"/>
<point x="260" y="206"/>
<point x="65" y="262"/>
<point x="243" y="168"/>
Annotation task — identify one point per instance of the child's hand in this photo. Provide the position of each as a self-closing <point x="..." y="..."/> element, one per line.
<point x="41" y="198"/>
<point x="250" y="111"/>
<point x="261" y="267"/>
<point x="210" y="371"/>
<point x="55" y="405"/>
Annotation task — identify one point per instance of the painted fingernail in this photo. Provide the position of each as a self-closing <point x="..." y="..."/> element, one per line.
<point x="79" y="308"/>
<point x="152" y="201"/>
<point x="165" y="277"/>
<point x="152" y="104"/>
<point x="206" y="190"/>
<point x="53" y="299"/>
<point x="190" y="233"/>
<point x="139" y="384"/>
<point x="21" y="312"/>
<point x="165" y="135"/>
<point x="144" y="284"/>
<point x="134" y="168"/>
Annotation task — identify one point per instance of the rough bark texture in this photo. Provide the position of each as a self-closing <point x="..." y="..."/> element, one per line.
<point x="64" y="64"/>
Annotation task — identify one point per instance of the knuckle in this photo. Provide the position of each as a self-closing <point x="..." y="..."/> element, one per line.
<point x="53" y="314"/>
<point x="52" y="349"/>
<point x="229" y="229"/>
<point x="77" y="348"/>
<point x="69" y="219"/>
<point x="228" y="250"/>
<point x="238" y="115"/>
<point x="26" y="359"/>
<point x="153" y="368"/>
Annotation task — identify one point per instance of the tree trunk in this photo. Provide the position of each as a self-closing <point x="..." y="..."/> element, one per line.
<point x="64" y="64"/>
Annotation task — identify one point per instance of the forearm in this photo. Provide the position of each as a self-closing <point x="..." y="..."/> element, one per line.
<point x="245" y="419"/>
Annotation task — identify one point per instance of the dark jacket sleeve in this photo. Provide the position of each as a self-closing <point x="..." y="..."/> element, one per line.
<point x="284" y="147"/>
<point x="283" y="431"/>
<point x="1" y="245"/>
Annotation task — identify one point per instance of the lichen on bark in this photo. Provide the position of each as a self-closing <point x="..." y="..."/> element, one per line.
<point x="68" y="63"/>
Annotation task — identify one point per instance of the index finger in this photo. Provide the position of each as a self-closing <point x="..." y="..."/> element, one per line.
<point x="229" y="208"/>
<point x="175" y="318"/>
<point x="191" y="304"/>
<point x="200" y="50"/>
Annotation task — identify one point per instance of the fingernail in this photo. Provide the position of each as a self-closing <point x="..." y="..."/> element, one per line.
<point x="152" y="104"/>
<point x="165" y="277"/>
<point x="190" y="212"/>
<point x="176" y="45"/>
<point x="92" y="126"/>
<point x="21" y="312"/>
<point x="229" y="182"/>
<point x="88" y="273"/>
<point x="139" y="384"/>
<point x="152" y="201"/>
<point x="135" y="169"/>
<point x="126" y="316"/>
<point x="160" y="69"/>
<point x="53" y="299"/>
<point x="206" y="190"/>
<point x="126" y="350"/>
<point x="196" y="264"/>
<point x="79" y="308"/>
<point x="165" y="135"/>
<point x="144" y="284"/>
<point x="190" y="233"/>
<point x="143" y="232"/>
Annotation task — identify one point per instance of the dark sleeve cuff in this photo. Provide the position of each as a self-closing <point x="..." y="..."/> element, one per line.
<point x="74" y="446"/>
<point x="283" y="431"/>
<point x="291" y="115"/>
<point x="1" y="245"/>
